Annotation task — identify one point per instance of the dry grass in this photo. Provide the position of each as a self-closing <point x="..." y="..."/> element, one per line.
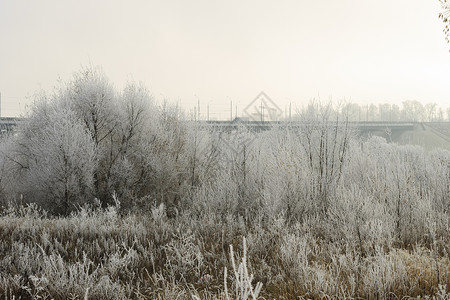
<point x="97" y="254"/>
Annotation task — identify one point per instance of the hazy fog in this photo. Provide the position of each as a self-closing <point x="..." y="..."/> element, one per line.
<point x="217" y="52"/>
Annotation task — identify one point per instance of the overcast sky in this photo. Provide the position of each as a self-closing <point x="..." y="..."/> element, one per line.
<point x="359" y="50"/>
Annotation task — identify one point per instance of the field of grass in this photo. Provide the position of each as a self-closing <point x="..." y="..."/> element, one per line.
<point x="98" y="254"/>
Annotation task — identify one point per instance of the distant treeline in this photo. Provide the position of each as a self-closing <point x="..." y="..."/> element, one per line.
<point x="409" y="111"/>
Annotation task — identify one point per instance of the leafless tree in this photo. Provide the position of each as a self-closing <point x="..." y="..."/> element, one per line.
<point x="54" y="156"/>
<point x="445" y="17"/>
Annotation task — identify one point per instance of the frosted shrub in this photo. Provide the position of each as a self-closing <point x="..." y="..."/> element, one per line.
<point x="24" y="259"/>
<point x="294" y="255"/>
<point x="11" y="285"/>
<point x="158" y="213"/>
<point x="286" y="184"/>
<point x="122" y="264"/>
<point x="221" y="198"/>
<point x="243" y="286"/>
<point x="359" y="220"/>
<point x="183" y="256"/>
<point x="383" y="274"/>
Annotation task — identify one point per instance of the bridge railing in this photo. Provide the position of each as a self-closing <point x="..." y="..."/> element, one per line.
<point x="296" y="124"/>
<point x="8" y="124"/>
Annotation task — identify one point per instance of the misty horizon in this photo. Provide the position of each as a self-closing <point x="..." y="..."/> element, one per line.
<point x="216" y="53"/>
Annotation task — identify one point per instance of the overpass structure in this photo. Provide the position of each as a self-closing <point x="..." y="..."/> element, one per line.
<point x="8" y="124"/>
<point x="267" y="125"/>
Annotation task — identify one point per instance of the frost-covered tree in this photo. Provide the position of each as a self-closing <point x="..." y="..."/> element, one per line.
<point x="93" y="100"/>
<point x="123" y="164"/>
<point x="430" y="110"/>
<point x="126" y="146"/>
<point x="412" y="111"/>
<point x="324" y="139"/>
<point x="53" y="158"/>
<point x="445" y="17"/>
<point x="118" y="123"/>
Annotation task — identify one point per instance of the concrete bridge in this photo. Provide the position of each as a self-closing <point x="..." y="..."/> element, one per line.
<point x="7" y="125"/>
<point x="363" y="127"/>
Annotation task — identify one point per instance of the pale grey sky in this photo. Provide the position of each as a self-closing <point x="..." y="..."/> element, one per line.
<point x="217" y="51"/>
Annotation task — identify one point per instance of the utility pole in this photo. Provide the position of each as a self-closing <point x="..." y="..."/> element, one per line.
<point x="207" y="112"/>
<point x="262" y="112"/>
<point x="0" y="104"/>
<point x="231" y="111"/>
<point x="197" y="112"/>
<point x="290" y="111"/>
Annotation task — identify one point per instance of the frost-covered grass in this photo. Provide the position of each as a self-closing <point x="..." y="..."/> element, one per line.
<point x="98" y="254"/>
